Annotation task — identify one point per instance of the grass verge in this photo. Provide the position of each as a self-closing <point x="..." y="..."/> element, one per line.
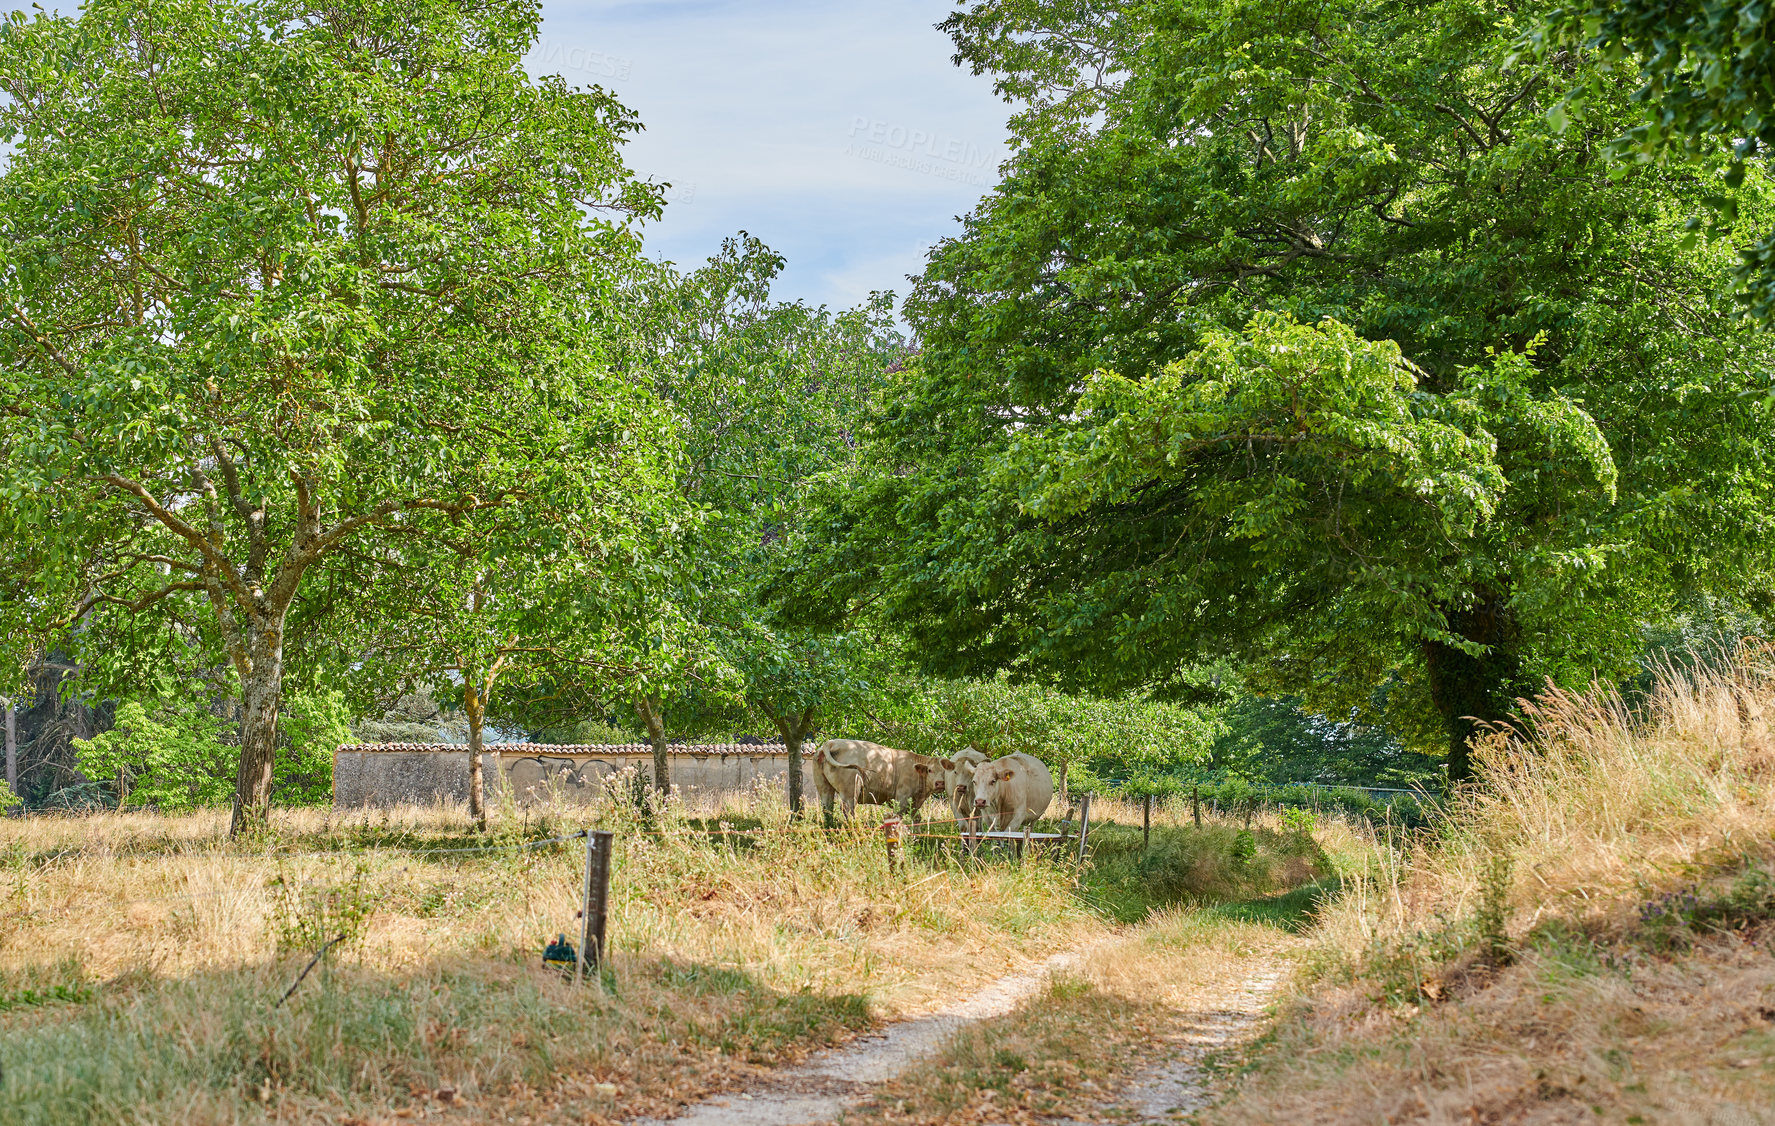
<point x="1149" y="995"/>
<point x="1588" y="938"/>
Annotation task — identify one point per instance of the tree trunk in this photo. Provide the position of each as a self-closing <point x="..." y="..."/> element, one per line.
<point x="1472" y="691"/>
<point x="794" y="732"/>
<point x="649" y="709"/>
<point x="261" y="687"/>
<point x="11" y="749"/>
<point x="476" y="709"/>
<point x="1063" y="800"/>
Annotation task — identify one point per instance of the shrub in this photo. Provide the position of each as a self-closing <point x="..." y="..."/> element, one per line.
<point x="168" y="757"/>
<point x="313" y="726"/>
<point x="176" y="757"/>
<point x="1186" y="864"/>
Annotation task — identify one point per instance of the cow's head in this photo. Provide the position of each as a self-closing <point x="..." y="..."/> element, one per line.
<point x="926" y="786"/>
<point x="989" y="783"/>
<point x="958" y="779"/>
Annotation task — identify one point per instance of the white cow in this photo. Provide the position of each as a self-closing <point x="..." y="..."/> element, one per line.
<point x="958" y="779"/>
<point x="861" y="772"/>
<point x="1013" y="791"/>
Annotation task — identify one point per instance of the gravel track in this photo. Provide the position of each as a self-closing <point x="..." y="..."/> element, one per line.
<point x="831" y="1081"/>
<point x="818" y="1090"/>
<point x="1165" y="1092"/>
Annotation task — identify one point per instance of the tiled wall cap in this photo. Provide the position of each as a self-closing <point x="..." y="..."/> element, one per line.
<point x="576" y="748"/>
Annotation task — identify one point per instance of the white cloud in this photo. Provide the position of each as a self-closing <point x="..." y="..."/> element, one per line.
<point x="840" y="134"/>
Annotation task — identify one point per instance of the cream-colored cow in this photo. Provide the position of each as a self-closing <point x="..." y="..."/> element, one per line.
<point x="1011" y="792"/>
<point x="958" y="779"/>
<point x="864" y="773"/>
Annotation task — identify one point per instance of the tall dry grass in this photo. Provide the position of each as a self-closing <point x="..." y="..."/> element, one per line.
<point x="799" y="906"/>
<point x="1586" y="938"/>
<point x="1597" y="806"/>
<point x="141" y="957"/>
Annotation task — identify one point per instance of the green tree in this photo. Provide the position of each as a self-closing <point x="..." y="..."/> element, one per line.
<point x="770" y="395"/>
<point x="169" y="756"/>
<point x="1297" y="335"/>
<point x="551" y="590"/>
<point x="1707" y="74"/>
<point x="277" y="280"/>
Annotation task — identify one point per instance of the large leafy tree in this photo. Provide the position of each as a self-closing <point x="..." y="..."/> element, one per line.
<point x="770" y="394"/>
<point x="280" y="280"/>
<point x="556" y="588"/>
<point x="1297" y="333"/>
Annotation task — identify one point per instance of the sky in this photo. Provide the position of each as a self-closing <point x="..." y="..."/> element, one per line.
<point x="838" y="132"/>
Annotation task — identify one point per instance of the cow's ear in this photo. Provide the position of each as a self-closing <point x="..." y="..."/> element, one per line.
<point x="922" y="767"/>
<point x="946" y="764"/>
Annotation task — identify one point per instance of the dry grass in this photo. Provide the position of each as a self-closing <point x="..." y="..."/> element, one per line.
<point x="1557" y="1037"/>
<point x="141" y="956"/>
<point x="1598" y="810"/>
<point x="1587" y="940"/>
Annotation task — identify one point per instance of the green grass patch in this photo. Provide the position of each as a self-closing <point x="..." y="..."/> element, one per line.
<point x="1127" y="878"/>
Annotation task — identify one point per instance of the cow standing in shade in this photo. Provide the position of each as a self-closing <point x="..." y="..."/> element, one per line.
<point x="958" y="779"/>
<point x="864" y="773"/>
<point x="1012" y="792"/>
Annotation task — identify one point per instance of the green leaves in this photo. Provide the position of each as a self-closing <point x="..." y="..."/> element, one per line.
<point x="1707" y="69"/>
<point x="163" y="755"/>
<point x="1323" y="409"/>
<point x="284" y="288"/>
<point x="1305" y="337"/>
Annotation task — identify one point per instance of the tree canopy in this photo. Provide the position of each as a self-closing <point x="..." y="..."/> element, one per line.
<point x="1298" y="335"/>
<point x="1707" y="74"/>
<point x="281" y="281"/>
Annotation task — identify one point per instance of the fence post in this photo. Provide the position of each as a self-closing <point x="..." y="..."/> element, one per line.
<point x="1146" y="820"/>
<point x="596" y="904"/>
<point x="891" y="830"/>
<point x="1084" y="823"/>
<point x="1197" y="801"/>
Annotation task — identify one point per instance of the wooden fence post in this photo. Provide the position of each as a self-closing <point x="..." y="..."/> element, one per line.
<point x="1146" y="820"/>
<point x="596" y="904"/>
<point x="891" y="830"/>
<point x="1197" y="801"/>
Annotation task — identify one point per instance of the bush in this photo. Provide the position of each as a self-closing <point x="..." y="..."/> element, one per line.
<point x="177" y="757"/>
<point x="1236" y="795"/>
<point x="312" y="727"/>
<point x="168" y="757"/>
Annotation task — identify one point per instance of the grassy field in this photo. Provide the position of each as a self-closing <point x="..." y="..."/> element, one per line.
<point x="142" y="957"/>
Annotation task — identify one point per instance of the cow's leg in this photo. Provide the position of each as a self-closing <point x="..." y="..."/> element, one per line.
<point x="853" y="792"/>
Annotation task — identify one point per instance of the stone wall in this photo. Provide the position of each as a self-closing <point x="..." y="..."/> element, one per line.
<point x="379" y="774"/>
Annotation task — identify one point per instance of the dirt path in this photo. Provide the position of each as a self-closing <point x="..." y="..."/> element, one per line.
<point x="830" y="1081"/>
<point x="1165" y="1092"/>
